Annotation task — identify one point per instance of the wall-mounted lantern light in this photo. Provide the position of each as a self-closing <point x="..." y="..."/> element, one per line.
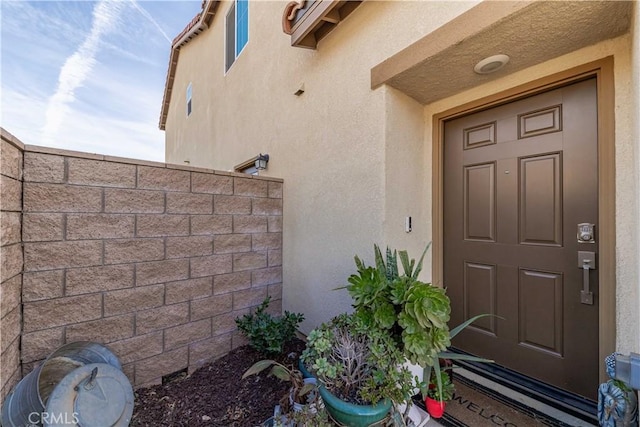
<point x="261" y="161"/>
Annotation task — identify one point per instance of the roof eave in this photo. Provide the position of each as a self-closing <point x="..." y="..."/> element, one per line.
<point x="197" y="25"/>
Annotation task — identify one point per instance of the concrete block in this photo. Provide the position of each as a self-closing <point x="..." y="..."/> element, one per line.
<point x="67" y="254"/>
<point x="43" y="168"/>
<point x="61" y="311"/>
<point x="10" y="297"/>
<point x="161" y="271"/>
<point x="10" y="328"/>
<point x="275" y="257"/>
<point x="250" y="187"/>
<point x="42" y="227"/>
<point x="226" y="323"/>
<point x="163" y="179"/>
<point x="179" y="336"/>
<point x="249" y="261"/>
<point x="166" y="363"/>
<point x="208" y="350"/>
<point x="249" y="298"/>
<point x="211" y="265"/>
<point x="103" y="331"/>
<point x="133" y="201"/>
<point x="38" y="345"/>
<point x="275" y="291"/>
<point x="231" y="243"/>
<point x="99" y="226"/>
<point x="186" y="290"/>
<point x="211" y="224"/>
<point x="162" y="225"/>
<point x="232" y="205"/>
<point x="264" y="241"/>
<point x="249" y="224"/>
<point x="161" y="318"/>
<point x="10" y="194"/>
<point x="42" y="285"/>
<point x="10" y="261"/>
<point x="212" y="306"/>
<point x="275" y="190"/>
<point x="191" y="246"/>
<point x="275" y="224"/>
<point x="61" y="198"/>
<point x="10" y="226"/>
<point x="101" y="173"/>
<point x="210" y="183"/>
<point x="133" y="299"/>
<point x="133" y="250"/>
<point x="137" y="348"/>
<point x="267" y="276"/>
<point x="225" y="283"/>
<point x="99" y="279"/>
<point x="189" y="203"/>
<point x="266" y="207"/>
<point x="11" y="159"/>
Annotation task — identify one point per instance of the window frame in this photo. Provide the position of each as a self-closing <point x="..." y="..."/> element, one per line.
<point x="189" y="99"/>
<point x="229" y="60"/>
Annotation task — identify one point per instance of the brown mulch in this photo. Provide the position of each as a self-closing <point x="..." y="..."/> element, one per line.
<point x="215" y="394"/>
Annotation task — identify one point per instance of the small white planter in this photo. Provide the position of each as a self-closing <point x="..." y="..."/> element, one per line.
<point x="418" y="417"/>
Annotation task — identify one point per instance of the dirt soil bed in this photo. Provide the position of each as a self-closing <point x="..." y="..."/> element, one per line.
<point x="215" y="394"/>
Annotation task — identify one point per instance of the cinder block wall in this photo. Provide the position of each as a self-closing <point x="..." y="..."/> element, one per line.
<point x="11" y="261"/>
<point x="154" y="260"/>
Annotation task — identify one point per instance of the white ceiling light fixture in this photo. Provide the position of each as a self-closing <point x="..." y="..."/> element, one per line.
<point x="491" y="64"/>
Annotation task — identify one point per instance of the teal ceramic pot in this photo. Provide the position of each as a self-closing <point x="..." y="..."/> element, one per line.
<point x="352" y="415"/>
<point x="302" y="368"/>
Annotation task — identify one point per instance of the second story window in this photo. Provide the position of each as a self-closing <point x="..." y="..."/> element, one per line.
<point x="236" y="31"/>
<point x="189" y="100"/>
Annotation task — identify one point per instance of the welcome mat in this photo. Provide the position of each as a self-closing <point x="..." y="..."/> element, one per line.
<point x="475" y="406"/>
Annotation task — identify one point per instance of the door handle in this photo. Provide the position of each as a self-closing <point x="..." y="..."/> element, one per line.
<point x="586" y="261"/>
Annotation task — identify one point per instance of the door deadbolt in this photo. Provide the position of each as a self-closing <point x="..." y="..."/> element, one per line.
<point x="586" y="233"/>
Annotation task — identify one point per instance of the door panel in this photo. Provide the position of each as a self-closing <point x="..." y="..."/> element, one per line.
<point x="518" y="178"/>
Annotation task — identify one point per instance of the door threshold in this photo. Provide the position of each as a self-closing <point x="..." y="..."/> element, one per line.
<point x="527" y="394"/>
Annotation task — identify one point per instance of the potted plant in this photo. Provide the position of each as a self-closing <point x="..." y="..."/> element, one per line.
<point x="414" y="313"/>
<point x="299" y="407"/>
<point x="358" y="367"/>
<point x="438" y="395"/>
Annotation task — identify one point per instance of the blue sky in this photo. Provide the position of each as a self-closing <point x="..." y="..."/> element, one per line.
<point x="88" y="75"/>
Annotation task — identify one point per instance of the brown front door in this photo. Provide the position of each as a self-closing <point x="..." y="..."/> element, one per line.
<point x="518" y="178"/>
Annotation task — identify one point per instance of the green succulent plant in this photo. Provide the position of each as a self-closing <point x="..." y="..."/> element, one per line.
<point x="414" y="312"/>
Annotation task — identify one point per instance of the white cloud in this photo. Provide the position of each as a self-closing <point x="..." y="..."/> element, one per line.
<point x="78" y="66"/>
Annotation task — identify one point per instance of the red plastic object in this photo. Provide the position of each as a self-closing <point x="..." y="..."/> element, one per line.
<point x="435" y="408"/>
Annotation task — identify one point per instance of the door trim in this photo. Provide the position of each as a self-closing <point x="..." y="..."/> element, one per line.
<point x="602" y="70"/>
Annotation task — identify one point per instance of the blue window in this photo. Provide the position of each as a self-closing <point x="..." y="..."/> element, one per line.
<point x="189" y="100"/>
<point x="236" y="31"/>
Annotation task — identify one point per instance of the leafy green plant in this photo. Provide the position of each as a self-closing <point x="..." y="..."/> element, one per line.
<point x="266" y="333"/>
<point x="415" y="313"/>
<point x="444" y="392"/>
<point x="358" y="363"/>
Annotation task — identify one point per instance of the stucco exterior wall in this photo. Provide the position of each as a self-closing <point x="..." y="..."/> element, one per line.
<point x="358" y="161"/>
<point x="331" y="141"/>
<point x="627" y="189"/>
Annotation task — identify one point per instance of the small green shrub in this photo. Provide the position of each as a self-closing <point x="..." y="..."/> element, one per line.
<point x="266" y="333"/>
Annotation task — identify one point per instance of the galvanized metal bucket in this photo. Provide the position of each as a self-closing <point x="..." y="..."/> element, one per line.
<point x="25" y="405"/>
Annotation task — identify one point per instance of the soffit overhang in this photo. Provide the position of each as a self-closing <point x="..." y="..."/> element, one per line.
<point x="530" y="32"/>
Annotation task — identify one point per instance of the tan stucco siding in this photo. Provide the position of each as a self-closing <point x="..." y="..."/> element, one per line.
<point x="357" y="161"/>
<point x="626" y="145"/>
<point x="329" y="144"/>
